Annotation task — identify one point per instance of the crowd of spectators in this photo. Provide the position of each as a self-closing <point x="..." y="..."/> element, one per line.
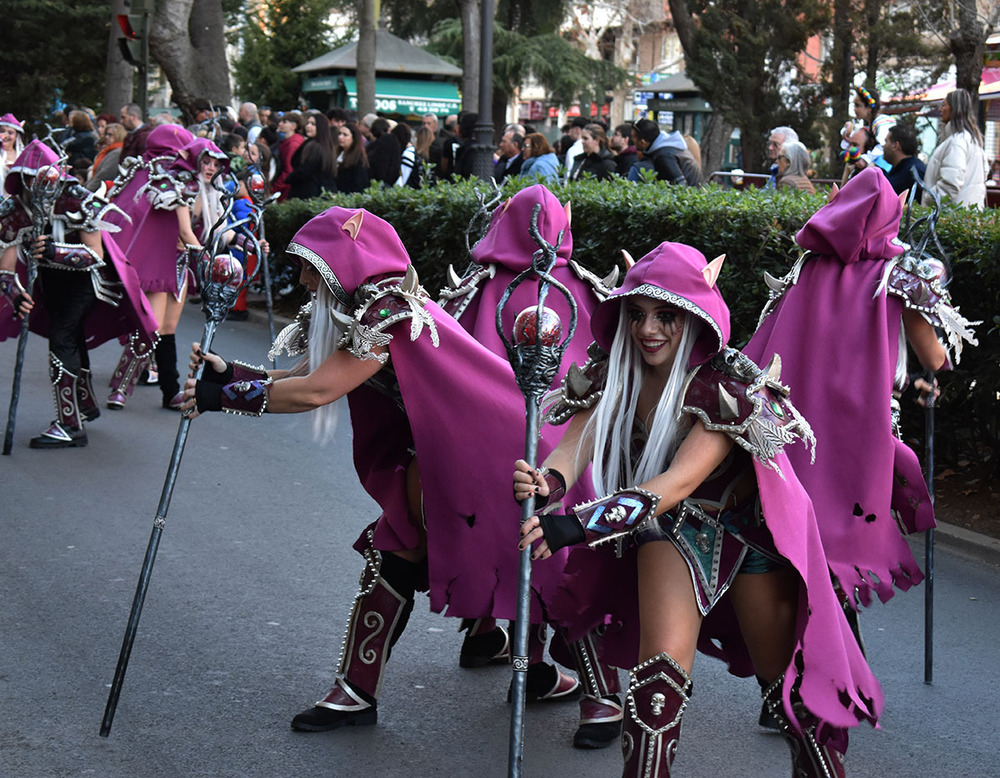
<point x="306" y="153"/>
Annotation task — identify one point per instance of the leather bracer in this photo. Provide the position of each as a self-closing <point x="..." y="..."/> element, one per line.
<point x="70" y="256"/>
<point x="602" y="520"/>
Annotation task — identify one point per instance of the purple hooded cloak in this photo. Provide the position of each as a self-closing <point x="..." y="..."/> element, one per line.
<point x="507" y="250"/>
<point x="79" y="209"/>
<point x="463" y="416"/>
<point x="838" y="337"/>
<point x="837" y="685"/>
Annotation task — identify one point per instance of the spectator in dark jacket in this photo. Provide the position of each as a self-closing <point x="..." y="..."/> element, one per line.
<point x="352" y="162"/>
<point x="510" y="162"/>
<point x="464" y="157"/>
<point x="595" y="160"/>
<point x="313" y="170"/>
<point x="625" y="151"/>
<point x="668" y="154"/>
<point x="900" y="151"/>
<point x="384" y="154"/>
<point x="81" y="144"/>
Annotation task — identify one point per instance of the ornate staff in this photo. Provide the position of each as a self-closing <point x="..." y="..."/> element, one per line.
<point x="45" y="190"/>
<point x="535" y="353"/>
<point x="930" y="220"/>
<point x="221" y="278"/>
<point x="256" y="188"/>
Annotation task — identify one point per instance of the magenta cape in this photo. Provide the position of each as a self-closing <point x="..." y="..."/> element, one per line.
<point x="837" y="684"/>
<point x="508" y="246"/>
<point x="465" y="418"/>
<point x="150" y="240"/>
<point x="838" y="342"/>
<point x="104" y="321"/>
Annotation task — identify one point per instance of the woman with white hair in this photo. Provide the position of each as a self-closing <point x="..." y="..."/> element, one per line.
<point x="793" y="167"/>
<point x="711" y="541"/>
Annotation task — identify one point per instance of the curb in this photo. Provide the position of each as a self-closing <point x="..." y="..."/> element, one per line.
<point x="258" y="316"/>
<point x="968" y="542"/>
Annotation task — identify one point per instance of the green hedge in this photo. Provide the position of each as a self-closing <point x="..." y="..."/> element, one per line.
<point x="754" y="228"/>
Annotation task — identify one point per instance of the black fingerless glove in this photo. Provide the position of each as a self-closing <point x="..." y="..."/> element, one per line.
<point x="223" y="378"/>
<point x="208" y="396"/>
<point x="560" y="530"/>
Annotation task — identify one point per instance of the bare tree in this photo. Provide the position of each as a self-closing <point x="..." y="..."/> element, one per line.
<point x="187" y="39"/>
<point x="963" y="27"/>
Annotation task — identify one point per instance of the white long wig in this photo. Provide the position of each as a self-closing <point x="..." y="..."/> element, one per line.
<point x="610" y="426"/>
<point x="211" y="207"/>
<point x="325" y="333"/>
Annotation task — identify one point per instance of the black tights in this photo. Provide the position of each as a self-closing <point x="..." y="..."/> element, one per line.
<point x="69" y="296"/>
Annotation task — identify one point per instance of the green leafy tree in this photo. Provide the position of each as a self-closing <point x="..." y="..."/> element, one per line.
<point x="565" y="71"/>
<point x="743" y="56"/>
<point x="49" y="46"/>
<point x="276" y="36"/>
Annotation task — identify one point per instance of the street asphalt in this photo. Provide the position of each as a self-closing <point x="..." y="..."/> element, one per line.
<point x="249" y="596"/>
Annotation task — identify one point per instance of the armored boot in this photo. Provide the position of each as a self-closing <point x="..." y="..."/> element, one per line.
<point x="817" y="749"/>
<point x="381" y="610"/>
<point x="658" y="694"/>
<point x="600" y="705"/>
<point x="134" y="359"/>
<point x="85" y="398"/>
<point x="166" y="363"/>
<point x="486" y="643"/>
<point x="66" y="431"/>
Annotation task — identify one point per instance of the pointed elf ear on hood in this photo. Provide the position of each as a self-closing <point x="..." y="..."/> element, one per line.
<point x="834" y="191"/>
<point x="569" y="212"/>
<point x="353" y="225"/>
<point x="712" y="270"/>
<point x="628" y="260"/>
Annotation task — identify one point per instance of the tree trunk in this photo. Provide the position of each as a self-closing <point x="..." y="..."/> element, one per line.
<point x="118" y="74"/>
<point x="714" y="141"/>
<point x="843" y="77"/>
<point x="968" y="45"/>
<point x="367" y="22"/>
<point x="471" y="29"/>
<point x="187" y="39"/>
<point x="873" y="12"/>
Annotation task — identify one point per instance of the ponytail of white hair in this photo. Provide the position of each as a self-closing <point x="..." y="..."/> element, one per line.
<point x="324" y="336"/>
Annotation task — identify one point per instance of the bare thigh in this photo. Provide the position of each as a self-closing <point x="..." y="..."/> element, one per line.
<point x="669" y="619"/>
<point x="766" y="606"/>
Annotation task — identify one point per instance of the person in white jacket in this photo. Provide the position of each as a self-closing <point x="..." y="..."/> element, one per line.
<point x="957" y="169"/>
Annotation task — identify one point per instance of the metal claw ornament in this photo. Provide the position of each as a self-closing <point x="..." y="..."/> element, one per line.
<point x="221" y="277"/>
<point x="535" y="350"/>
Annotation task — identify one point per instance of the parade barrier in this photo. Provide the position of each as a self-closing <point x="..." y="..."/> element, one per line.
<point x="755" y="228"/>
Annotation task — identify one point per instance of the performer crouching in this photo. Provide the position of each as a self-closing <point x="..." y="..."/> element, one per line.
<point x="720" y="538"/>
<point x="415" y="382"/>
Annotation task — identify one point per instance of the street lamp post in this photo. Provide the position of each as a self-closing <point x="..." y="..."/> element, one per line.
<point x="483" y="147"/>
